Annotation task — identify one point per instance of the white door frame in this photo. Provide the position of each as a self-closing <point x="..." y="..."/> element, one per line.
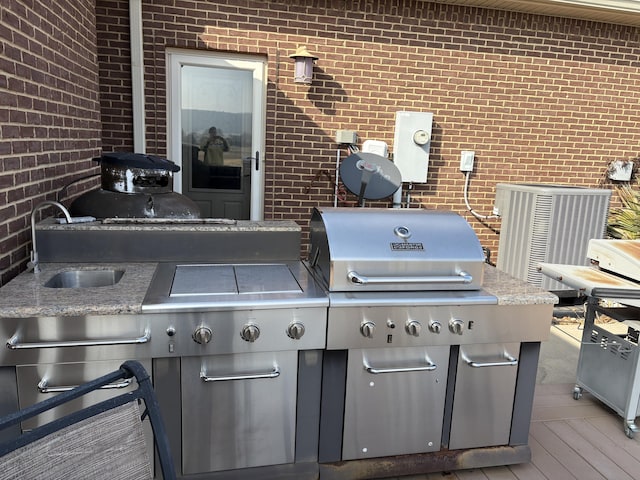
<point x="175" y="58"/>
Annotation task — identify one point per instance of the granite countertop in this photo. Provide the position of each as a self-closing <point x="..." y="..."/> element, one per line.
<point x="25" y="295"/>
<point x="174" y="225"/>
<point x="513" y="291"/>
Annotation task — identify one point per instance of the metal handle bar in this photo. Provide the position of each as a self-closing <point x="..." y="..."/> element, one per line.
<point x="509" y="362"/>
<point x="462" y="277"/>
<point x="43" y="386"/>
<point x="14" y="342"/>
<point x="222" y="378"/>
<point x="375" y="371"/>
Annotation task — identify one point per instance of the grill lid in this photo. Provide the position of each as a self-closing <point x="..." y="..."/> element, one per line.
<point x="138" y="160"/>
<point x="378" y="249"/>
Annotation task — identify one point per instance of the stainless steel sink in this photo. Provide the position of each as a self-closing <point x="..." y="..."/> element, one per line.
<point x="85" y="278"/>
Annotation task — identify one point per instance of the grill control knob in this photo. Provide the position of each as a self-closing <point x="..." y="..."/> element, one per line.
<point x="295" y="330"/>
<point x="435" y="327"/>
<point x="202" y="335"/>
<point x="456" y="326"/>
<point x="367" y="329"/>
<point x="413" y="327"/>
<point x="250" y="332"/>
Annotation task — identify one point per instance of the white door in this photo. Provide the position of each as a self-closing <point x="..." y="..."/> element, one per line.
<point x="216" y="125"/>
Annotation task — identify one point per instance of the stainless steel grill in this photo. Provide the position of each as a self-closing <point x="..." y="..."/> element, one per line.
<point x="419" y="359"/>
<point x="609" y="360"/>
<point x="403" y="249"/>
<point x="248" y="336"/>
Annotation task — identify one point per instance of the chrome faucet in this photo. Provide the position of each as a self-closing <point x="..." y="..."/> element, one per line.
<point x="33" y="264"/>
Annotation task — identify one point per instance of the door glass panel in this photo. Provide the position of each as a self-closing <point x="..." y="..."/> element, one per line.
<point x="216" y="119"/>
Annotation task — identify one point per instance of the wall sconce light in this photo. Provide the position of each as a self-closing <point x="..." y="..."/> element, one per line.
<point x="303" y="68"/>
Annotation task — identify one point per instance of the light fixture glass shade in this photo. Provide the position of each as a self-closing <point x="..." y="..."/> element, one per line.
<point x="303" y="72"/>
<point x="303" y="68"/>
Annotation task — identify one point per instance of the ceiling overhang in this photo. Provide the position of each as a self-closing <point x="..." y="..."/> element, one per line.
<point x="624" y="12"/>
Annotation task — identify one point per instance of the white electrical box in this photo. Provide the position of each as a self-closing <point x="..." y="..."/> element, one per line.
<point x="466" y="160"/>
<point x="411" y="145"/>
<point x="346" y="137"/>
<point x="376" y="146"/>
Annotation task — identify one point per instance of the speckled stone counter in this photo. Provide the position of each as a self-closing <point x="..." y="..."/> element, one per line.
<point x="26" y="295"/>
<point x="175" y="225"/>
<point x="513" y="291"/>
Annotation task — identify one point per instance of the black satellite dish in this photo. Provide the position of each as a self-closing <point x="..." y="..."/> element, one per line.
<point x="370" y="176"/>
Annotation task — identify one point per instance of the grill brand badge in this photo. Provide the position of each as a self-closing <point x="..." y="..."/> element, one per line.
<point x="404" y="233"/>
<point x="406" y="246"/>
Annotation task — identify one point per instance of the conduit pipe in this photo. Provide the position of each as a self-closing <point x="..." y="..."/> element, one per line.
<point x="137" y="75"/>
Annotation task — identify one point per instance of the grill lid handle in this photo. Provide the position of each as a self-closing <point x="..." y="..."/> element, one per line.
<point x="462" y="277"/>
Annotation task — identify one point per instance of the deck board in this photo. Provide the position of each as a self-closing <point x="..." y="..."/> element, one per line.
<point x="569" y="440"/>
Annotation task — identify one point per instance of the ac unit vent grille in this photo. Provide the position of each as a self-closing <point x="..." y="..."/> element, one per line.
<point x="547" y="223"/>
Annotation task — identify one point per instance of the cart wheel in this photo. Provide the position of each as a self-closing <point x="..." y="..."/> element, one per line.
<point x="630" y="429"/>
<point x="577" y="393"/>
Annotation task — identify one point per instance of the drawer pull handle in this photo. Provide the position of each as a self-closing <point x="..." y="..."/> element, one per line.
<point x="424" y="368"/>
<point x="44" y="387"/>
<point x="14" y="342"/>
<point x="506" y="361"/>
<point x="223" y="378"/>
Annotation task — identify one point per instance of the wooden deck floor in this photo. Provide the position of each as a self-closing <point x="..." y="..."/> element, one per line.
<point x="569" y="439"/>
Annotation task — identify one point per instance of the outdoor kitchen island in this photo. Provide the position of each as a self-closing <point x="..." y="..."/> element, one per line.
<point x="168" y="342"/>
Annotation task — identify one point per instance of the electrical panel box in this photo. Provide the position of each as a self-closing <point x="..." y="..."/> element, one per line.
<point x="549" y="224"/>
<point x="411" y="145"/>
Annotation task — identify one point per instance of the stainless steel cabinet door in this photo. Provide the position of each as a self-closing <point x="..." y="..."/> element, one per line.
<point x="39" y="382"/>
<point x="484" y="394"/>
<point x="394" y="401"/>
<point x="238" y="410"/>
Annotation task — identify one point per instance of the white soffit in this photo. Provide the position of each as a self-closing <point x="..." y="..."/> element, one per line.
<point x="624" y="12"/>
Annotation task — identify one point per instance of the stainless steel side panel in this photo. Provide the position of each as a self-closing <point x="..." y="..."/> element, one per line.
<point x="484" y="395"/>
<point x="606" y="367"/>
<point x="226" y="326"/>
<point x="394" y="401"/>
<point x="231" y="422"/>
<point x="481" y="324"/>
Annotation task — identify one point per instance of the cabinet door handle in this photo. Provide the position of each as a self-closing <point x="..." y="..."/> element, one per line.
<point x="505" y="361"/>
<point x="251" y="376"/>
<point x="14" y="342"/>
<point x="422" y="368"/>
<point x="44" y="387"/>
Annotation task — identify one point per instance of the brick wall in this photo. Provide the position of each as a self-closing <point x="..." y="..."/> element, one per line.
<point x="114" y="68"/>
<point x="49" y="112"/>
<point x="539" y="99"/>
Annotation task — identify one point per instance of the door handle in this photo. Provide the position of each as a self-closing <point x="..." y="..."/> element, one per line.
<point x="251" y="376"/>
<point x="44" y="387"/>
<point x="257" y="160"/>
<point x="427" y="367"/>
<point x="505" y="360"/>
<point x="14" y="342"/>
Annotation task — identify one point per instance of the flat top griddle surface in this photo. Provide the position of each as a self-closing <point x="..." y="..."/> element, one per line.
<point x="193" y="280"/>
